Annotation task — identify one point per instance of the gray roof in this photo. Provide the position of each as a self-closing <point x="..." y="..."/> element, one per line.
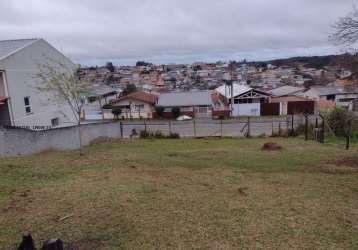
<point x="9" y="47"/>
<point x="286" y="90"/>
<point x="332" y="90"/>
<point x="182" y="99"/>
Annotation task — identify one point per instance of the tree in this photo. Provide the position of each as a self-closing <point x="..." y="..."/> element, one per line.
<point x="346" y="29"/>
<point x="110" y="67"/>
<point x="346" y="34"/>
<point x="341" y="121"/>
<point x="130" y="88"/>
<point x="63" y="85"/>
<point x="159" y="110"/>
<point x="116" y="111"/>
<point x="176" y="112"/>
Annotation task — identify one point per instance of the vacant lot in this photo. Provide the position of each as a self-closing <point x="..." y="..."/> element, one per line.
<point x="183" y="194"/>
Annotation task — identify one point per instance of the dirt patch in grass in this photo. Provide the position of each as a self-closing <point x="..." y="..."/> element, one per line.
<point x="345" y="165"/>
<point x="271" y="146"/>
<point x="346" y="161"/>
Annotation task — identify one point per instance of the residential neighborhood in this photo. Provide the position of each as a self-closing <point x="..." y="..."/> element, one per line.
<point x="218" y="125"/>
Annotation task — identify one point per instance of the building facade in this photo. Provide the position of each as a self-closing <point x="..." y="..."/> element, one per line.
<point x="21" y="104"/>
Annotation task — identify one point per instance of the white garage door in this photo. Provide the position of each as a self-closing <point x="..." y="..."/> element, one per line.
<point x="251" y="109"/>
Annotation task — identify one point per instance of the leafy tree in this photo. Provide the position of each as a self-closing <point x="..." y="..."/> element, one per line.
<point x="143" y="63"/>
<point x="109" y="80"/>
<point x="342" y="121"/>
<point x="130" y="88"/>
<point x="110" y="67"/>
<point x="160" y="111"/>
<point x="63" y="85"/>
<point x="176" y="112"/>
<point x="116" y="111"/>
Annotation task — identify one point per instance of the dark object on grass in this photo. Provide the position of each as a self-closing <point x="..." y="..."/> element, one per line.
<point x="54" y="244"/>
<point x="27" y="243"/>
<point x="271" y="146"/>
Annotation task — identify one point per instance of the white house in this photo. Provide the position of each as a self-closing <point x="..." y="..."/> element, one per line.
<point x="245" y="101"/>
<point x="21" y="104"/>
<point x="138" y="105"/>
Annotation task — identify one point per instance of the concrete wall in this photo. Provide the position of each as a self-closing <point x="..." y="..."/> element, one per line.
<point x="25" y="142"/>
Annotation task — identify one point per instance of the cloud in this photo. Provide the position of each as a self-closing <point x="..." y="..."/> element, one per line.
<point x="124" y="31"/>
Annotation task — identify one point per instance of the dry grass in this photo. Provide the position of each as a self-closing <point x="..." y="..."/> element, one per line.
<point x="184" y="194"/>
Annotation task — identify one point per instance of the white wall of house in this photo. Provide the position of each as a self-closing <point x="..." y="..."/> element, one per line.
<point x="19" y="71"/>
<point x="346" y="100"/>
<point x="138" y="109"/>
<point x="250" y="109"/>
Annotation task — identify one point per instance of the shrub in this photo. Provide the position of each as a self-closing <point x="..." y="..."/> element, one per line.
<point x="173" y="136"/>
<point x="340" y="120"/>
<point x="116" y="111"/>
<point x="144" y="134"/>
<point x="158" y="135"/>
<point x="176" y="112"/>
<point x="159" y="110"/>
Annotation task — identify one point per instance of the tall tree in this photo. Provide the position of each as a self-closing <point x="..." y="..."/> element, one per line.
<point x="346" y="34"/>
<point x="346" y="29"/>
<point x="63" y="86"/>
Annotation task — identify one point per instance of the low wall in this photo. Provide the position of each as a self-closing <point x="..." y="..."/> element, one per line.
<point x="14" y="141"/>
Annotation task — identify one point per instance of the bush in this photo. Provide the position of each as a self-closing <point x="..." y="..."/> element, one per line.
<point x="176" y="112"/>
<point x="174" y="136"/>
<point x="116" y="111"/>
<point x="159" y="110"/>
<point x="144" y="134"/>
<point x="340" y="120"/>
<point x="157" y="135"/>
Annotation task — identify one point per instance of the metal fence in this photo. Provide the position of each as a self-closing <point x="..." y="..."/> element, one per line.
<point x="245" y="127"/>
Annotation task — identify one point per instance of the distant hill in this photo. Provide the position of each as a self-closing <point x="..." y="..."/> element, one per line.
<point x="317" y="62"/>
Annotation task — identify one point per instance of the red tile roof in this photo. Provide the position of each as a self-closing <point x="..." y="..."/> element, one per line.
<point x="140" y="96"/>
<point x="2" y="100"/>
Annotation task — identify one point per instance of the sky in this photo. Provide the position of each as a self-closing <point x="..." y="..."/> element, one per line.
<point x="175" y="31"/>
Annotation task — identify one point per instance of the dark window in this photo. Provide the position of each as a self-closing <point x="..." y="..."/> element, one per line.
<point x="55" y="122"/>
<point x="27" y="105"/>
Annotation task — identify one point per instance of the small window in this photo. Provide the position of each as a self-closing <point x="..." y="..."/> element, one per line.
<point x="27" y="105"/>
<point x="55" y="122"/>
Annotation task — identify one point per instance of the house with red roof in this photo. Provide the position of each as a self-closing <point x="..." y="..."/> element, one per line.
<point x="138" y="105"/>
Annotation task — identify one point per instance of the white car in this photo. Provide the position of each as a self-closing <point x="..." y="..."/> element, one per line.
<point x="184" y="118"/>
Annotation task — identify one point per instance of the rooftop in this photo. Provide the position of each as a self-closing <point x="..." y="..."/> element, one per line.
<point x="8" y="47"/>
<point x="286" y="90"/>
<point x="140" y="96"/>
<point x="180" y="99"/>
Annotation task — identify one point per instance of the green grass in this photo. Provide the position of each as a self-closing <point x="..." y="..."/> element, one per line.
<point x="184" y="194"/>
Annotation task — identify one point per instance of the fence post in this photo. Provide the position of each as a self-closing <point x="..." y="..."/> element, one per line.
<point x="248" y="128"/>
<point x="121" y="129"/>
<point x="170" y="127"/>
<point x="293" y="125"/>
<point x="145" y="126"/>
<point x="221" y="128"/>
<point x="273" y="130"/>
<point x="194" y="128"/>
<point x="306" y="128"/>
<point x="279" y="128"/>
<point x="323" y="131"/>
<point x="288" y="126"/>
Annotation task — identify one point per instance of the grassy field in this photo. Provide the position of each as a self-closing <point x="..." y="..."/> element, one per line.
<point x="185" y="194"/>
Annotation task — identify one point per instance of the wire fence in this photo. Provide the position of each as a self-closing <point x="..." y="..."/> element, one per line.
<point x="245" y="127"/>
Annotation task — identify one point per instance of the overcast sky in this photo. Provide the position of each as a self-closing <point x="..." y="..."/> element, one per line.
<point x="175" y="31"/>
